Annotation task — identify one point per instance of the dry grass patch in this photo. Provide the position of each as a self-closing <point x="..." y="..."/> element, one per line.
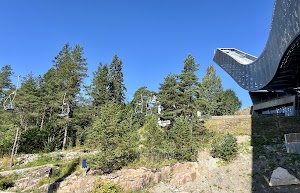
<point x="235" y="126"/>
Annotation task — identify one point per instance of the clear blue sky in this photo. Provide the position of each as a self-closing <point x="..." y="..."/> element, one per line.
<point x="151" y="37"/>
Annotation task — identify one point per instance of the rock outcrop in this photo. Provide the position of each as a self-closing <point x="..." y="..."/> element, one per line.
<point x="137" y="179"/>
<point x="184" y="173"/>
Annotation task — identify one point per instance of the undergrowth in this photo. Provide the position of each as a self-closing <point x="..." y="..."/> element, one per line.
<point x="43" y="160"/>
<point x="225" y="147"/>
<point x="102" y="186"/>
<point x="7" y="181"/>
<point x="149" y="164"/>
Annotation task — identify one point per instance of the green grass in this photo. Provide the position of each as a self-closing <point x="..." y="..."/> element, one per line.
<point x="7" y="181"/>
<point x="4" y="163"/>
<point x="43" y="159"/>
<point x="64" y="170"/>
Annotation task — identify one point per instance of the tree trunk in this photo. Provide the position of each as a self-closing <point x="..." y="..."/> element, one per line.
<point x="17" y="143"/>
<point x="42" y="122"/>
<point x="65" y="137"/>
<point x="13" y="148"/>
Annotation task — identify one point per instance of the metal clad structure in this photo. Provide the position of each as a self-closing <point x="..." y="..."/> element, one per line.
<point x="278" y="65"/>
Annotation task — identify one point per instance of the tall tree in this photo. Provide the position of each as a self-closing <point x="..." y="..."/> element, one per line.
<point x="5" y="81"/>
<point x="139" y="105"/>
<point x="142" y="91"/>
<point x="228" y="102"/>
<point x="210" y="86"/>
<point x="187" y="87"/>
<point x="99" y="89"/>
<point x="183" y="133"/>
<point x="28" y="102"/>
<point x="153" y="139"/>
<point x="168" y="97"/>
<point x="30" y="115"/>
<point x="117" y="87"/>
<point x="26" y="110"/>
<point x="66" y="76"/>
<point x="110" y="134"/>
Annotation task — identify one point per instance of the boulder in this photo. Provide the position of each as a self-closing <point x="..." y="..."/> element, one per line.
<point x="281" y="176"/>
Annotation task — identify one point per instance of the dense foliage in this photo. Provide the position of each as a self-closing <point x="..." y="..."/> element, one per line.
<point x="99" y="118"/>
<point x="225" y="148"/>
<point x="6" y="182"/>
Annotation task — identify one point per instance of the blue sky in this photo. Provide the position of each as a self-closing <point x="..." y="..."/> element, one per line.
<point x="151" y="37"/>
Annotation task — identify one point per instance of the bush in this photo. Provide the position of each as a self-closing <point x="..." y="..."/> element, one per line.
<point x="6" y="182"/>
<point x="224" y="148"/>
<point x="106" y="187"/>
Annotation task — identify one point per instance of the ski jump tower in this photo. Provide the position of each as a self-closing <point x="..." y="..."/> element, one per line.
<point x="273" y="78"/>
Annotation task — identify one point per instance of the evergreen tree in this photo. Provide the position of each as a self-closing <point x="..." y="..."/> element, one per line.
<point x="99" y="89"/>
<point x="138" y="104"/>
<point x="71" y="69"/>
<point x="65" y="77"/>
<point x="210" y="86"/>
<point x="28" y="102"/>
<point x="5" y="81"/>
<point x="111" y="133"/>
<point x="117" y="87"/>
<point x="142" y="91"/>
<point x="183" y="133"/>
<point x="187" y="87"/>
<point x="228" y="102"/>
<point x="169" y="97"/>
<point x="153" y="137"/>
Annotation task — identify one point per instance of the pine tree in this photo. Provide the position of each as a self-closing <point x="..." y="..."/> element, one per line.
<point x="28" y="100"/>
<point x="142" y="91"/>
<point x="65" y="78"/>
<point x="30" y="115"/>
<point x="187" y="87"/>
<point x="211" y="85"/>
<point x="153" y="139"/>
<point x="7" y="127"/>
<point x="228" y="102"/>
<point x="168" y="97"/>
<point x="139" y="105"/>
<point x="5" y="81"/>
<point x="117" y="87"/>
<point x="111" y="134"/>
<point x="99" y="89"/>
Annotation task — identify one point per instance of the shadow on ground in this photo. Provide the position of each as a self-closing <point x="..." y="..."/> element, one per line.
<point x="269" y="152"/>
<point x="53" y="187"/>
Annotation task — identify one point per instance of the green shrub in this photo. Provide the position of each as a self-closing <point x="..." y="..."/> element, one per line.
<point x="106" y="187"/>
<point x="225" y="148"/>
<point x="6" y="182"/>
<point x="64" y="170"/>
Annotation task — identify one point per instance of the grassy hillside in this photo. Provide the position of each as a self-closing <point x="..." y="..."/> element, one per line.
<point x="236" y="126"/>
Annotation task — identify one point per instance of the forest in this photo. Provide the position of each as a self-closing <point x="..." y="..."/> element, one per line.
<point x="57" y="111"/>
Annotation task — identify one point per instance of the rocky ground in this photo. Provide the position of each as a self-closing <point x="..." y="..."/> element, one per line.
<point x="250" y="172"/>
<point x="212" y="175"/>
<point x="208" y="174"/>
